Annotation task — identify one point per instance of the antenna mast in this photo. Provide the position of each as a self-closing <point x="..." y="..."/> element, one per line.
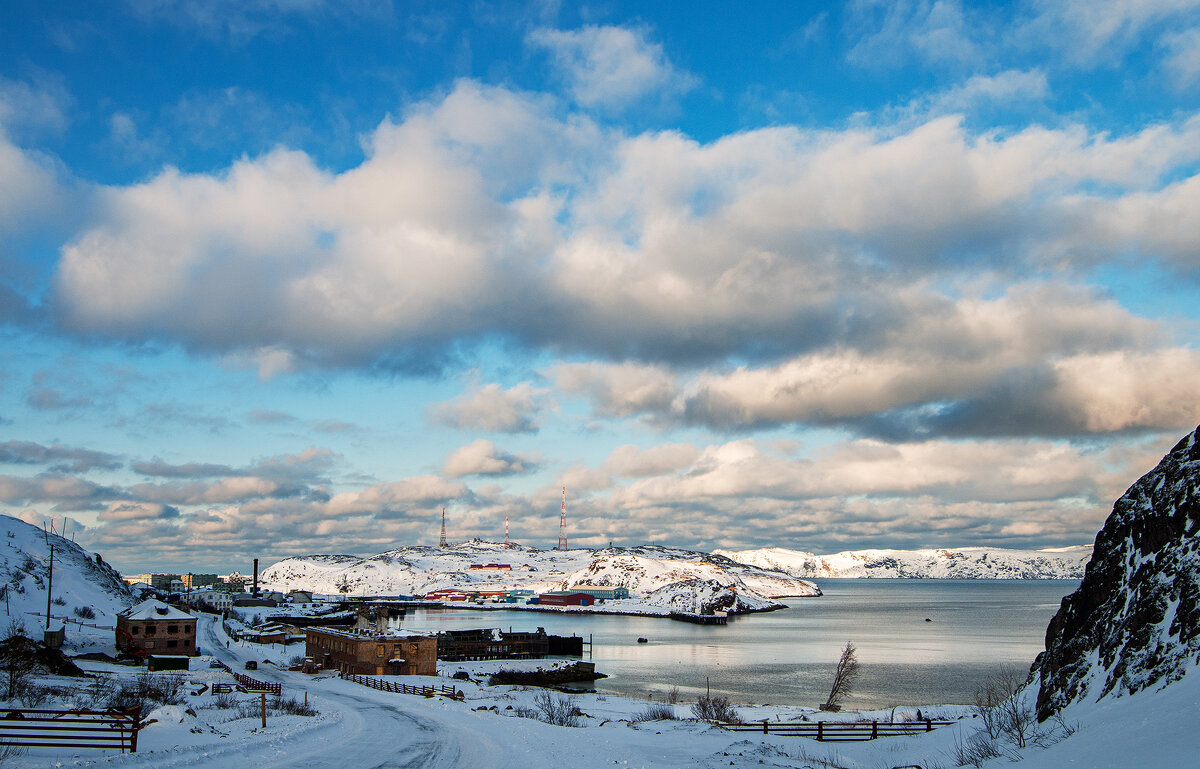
<point x="507" y="544"/>
<point x="562" y="523"/>
<point x="442" y="542"/>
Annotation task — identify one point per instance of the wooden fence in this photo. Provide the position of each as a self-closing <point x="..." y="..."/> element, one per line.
<point x="252" y="684"/>
<point x="839" y="731"/>
<point x="71" y="728"/>
<point x="392" y="686"/>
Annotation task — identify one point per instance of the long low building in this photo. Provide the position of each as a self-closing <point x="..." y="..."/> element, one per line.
<point x="394" y="654"/>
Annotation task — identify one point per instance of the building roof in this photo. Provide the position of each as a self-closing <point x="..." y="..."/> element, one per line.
<point x="153" y="609"/>
<point x="391" y="636"/>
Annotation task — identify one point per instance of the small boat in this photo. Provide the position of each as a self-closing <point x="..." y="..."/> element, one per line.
<point x="643" y="641"/>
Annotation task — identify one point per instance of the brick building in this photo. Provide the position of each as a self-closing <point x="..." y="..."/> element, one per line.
<point x="395" y="654"/>
<point x="153" y="627"/>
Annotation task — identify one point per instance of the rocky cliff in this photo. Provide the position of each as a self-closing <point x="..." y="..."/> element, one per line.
<point x="1134" y="622"/>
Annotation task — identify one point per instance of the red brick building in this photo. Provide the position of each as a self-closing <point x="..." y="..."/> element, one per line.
<point x="153" y="627"/>
<point x="399" y="654"/>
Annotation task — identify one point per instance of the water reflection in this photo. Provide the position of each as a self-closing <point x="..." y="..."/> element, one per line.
<point x="975" y="628"/>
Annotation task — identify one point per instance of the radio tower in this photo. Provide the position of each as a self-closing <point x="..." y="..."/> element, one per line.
<point x="562" y="523"/>
<point x="507" y="544"/>
<point x="442" y="542"/>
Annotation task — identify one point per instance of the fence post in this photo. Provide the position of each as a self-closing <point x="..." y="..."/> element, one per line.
<point x="765" y="726"/>
<point x="820" y="731"/>
<point x="874" y="729"/>
<point x="263" y="696"/>
<point x="137" y="723"/>
<point x="928" y="725"/>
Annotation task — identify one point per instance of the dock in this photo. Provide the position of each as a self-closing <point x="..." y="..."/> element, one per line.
<point x="700" y="619"/>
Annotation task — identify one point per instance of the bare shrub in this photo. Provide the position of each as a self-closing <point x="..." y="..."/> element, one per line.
<point x="146" y="690"/>
<point x="85" y="612"/>
<point x="975" y="749"/>
<point x="716" y="710"/>
<point x="673" y="695"/>
<point x="225" y="701"/>
<point x="991" y="694"/>
<point x="656" y="712"/>
<point x="524" y="712"/>
<point x="843" y="678"/>
<point x="293" y="707"/>
<point x="557" y="709"/>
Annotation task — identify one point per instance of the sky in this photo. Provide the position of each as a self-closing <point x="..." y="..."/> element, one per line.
<point x="281" y="277"/>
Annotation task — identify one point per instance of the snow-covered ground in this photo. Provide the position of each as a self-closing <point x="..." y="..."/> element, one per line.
<point x="956" y="563"/>
<point x="362" y="727"/>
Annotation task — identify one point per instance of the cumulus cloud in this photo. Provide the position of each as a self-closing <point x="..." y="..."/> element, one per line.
<point x="610" y="66"/>
<point x="618" y="390"/>
<point x="493" y="409"/>
<point x="633" y="462"/>
<point x="481" y="457"/>
<point x="652" y="247"/>
<point x="931" y="31"/>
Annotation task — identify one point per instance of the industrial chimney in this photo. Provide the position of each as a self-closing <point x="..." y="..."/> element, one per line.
<point x="255" y="589"/>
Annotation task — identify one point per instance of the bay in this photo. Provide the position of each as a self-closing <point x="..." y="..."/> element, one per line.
<point x="976" y="629"/>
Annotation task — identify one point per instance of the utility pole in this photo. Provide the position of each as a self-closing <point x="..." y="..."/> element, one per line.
<point x="562" y="523"/>
<point x="442" y="542"/>
<point x="50" y="587"/>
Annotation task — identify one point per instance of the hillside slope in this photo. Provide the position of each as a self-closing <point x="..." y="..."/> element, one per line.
<point x="643" y="570"/>
<point x="81" y="579"/>
<point x="946" y="563"/>
<point x="1134" y="622"/>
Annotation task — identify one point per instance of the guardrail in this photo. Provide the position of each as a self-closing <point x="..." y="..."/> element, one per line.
<point x="71" y="728"/>
<point x="253" y="684"/>
<point x="396" y="688"/>
<point x="839" y="731"/>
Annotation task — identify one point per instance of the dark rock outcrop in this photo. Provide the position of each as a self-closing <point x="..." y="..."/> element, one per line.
<point x="1134" y="622"/>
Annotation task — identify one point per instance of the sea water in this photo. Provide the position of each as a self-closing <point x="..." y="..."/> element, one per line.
<point x="919" y="642"/>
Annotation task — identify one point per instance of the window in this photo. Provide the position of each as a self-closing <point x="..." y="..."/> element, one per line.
<point x="380" y="650"/>
<point x="133" y="630"/>
<point x="150" y="629"/>
<point x="172" y="628"/>
<point x="149" y="644"/>
<point x="172" y="644"/>
<point x="187" y="644"/>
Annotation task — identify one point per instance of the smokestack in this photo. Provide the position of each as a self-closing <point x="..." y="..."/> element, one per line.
<point x="255" y="591"/>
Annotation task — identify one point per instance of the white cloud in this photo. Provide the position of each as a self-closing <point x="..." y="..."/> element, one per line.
<point x="494" y="409"/>
<point x="481" y="457"/>
<point x="610" y="66"/>
<point x="1183" y="58"/>
<point x="933" y="31"/>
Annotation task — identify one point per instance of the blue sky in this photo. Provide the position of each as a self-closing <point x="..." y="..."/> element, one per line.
<point x="289" y="276"/>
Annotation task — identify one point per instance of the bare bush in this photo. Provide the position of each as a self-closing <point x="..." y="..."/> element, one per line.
<point x="225" y="701"/>
<point x="673" y="695"/>
<point x="656" y="712"/>
<point x="85" y="612"/>
<point x="716" y="710"/>
<point x="974" y="749"/>
<point x="293" y="707"/>
<point x="146" y="690"/>
<point x="557" y="709"/>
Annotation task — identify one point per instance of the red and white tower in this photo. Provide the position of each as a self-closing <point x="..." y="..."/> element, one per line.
<point x="506" y="542"/>
<point x="562" y="523"/>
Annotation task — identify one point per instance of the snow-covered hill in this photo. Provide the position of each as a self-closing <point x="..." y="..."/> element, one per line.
<point x="643" y="570"/>
<point x="83" y="583"/>
<point x="956" y="563"/>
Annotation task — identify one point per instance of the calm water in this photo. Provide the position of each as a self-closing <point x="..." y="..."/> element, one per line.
<point x="787" y="657"/>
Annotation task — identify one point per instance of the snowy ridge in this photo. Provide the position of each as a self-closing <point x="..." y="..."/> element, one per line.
<point x="955" y="563"/>
<point x="642" y="570"/>
<point x="80" y="580"/>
